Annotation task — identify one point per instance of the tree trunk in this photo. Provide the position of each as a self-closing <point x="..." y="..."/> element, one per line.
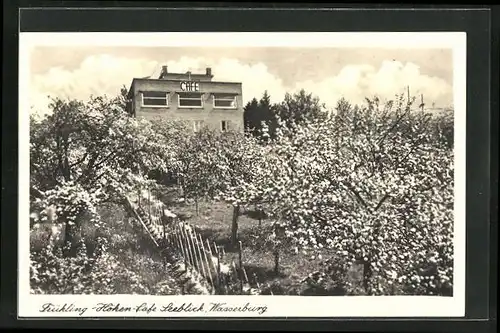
<point x="234" y="225"/>
<point x="261" y="215"/>
<point x="258" y="210"/>
<point x="276" y="262"/>
<point x="182" y="186"/>
<point x="66" y="169"/>
<point x="71" y="237"/>
<point x="367" y="274"/>
<point x="196" y="205"/>
<point x="68" y="239"/>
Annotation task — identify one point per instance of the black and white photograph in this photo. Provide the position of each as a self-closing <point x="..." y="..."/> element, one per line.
<point x="242" y="174"/>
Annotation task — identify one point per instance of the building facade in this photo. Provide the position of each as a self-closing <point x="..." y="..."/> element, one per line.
<point x="194" y="98"/>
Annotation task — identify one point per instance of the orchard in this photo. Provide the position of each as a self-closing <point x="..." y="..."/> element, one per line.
<point x="372" y="183"/>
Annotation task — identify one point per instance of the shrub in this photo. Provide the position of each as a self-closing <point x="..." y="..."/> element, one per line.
<point x="113" y="259"/>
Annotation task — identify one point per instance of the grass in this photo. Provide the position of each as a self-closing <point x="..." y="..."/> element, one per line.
<point x="131" y="250"/>
<point x="213" y="222"/>
<point x="134" y="251"/>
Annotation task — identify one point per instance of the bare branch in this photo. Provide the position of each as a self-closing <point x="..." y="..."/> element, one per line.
<point x="358" y="196"/>
<point x="396" y="122"/>
<point x="384" y="198"/>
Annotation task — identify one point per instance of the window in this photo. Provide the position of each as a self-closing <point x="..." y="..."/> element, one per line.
<point x="224" y="125"/>
<point x="190" y="100"/>
<point x="154" y="98"/>
<point x="198" y="125"/>
<point x="225" y="101"/>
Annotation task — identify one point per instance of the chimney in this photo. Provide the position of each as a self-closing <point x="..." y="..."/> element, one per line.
<point x="164" y="71"/>
<point x="209" y="71"/>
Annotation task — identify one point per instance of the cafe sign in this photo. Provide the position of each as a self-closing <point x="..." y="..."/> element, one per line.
<point x="190" y="86"/>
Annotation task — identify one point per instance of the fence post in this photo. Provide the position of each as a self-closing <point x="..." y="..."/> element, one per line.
<point x="245" y="275"/>
<point x="162" y="254"/>
<point x="235" y="268"/>
<point x="240" y="271"/>
<point x="185" y="244"/>
<point x="206" y="259"/>
<point x="188" y="246"/>
<point x="256" y="280"/>
<point x="149" y="205"/>
<point x="189" y="240"/>
<point x="219" y="276"/>
<point x="197" y="245"/>
<point x="196" y="257"/>
<point x="164" y="232"/>
<point x="181" y="245"/>
<point x="139" y="192"/>
<point x="235" y="271"/>
<point x="179" y="242"/>
<point x="212" y="264"/>
<point x="216" y="248"/>
<point x="225" y="277"/>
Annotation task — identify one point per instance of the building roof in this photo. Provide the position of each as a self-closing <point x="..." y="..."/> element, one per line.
<point x="166" y="76"/>
<point x="129" y="95"/>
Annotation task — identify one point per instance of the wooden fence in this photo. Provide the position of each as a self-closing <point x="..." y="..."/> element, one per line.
<point x="205" y="257"/>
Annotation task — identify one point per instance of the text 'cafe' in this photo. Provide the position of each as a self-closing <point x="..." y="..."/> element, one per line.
<point x="191" y="97"/>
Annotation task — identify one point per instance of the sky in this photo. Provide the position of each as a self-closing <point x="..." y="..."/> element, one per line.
<point x="329" y="73"/>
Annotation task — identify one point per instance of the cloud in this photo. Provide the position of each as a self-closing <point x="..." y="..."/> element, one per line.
<point x="96" y="75"/>
<point x="106" y="74"/>
<point x="355" y="82"/>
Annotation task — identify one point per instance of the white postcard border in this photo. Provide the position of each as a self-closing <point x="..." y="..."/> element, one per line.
<point x="276" y="306"/>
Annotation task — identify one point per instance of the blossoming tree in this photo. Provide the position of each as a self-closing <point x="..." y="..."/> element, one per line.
<point x="374" y="185"/>
<point x="86" y="153"/>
